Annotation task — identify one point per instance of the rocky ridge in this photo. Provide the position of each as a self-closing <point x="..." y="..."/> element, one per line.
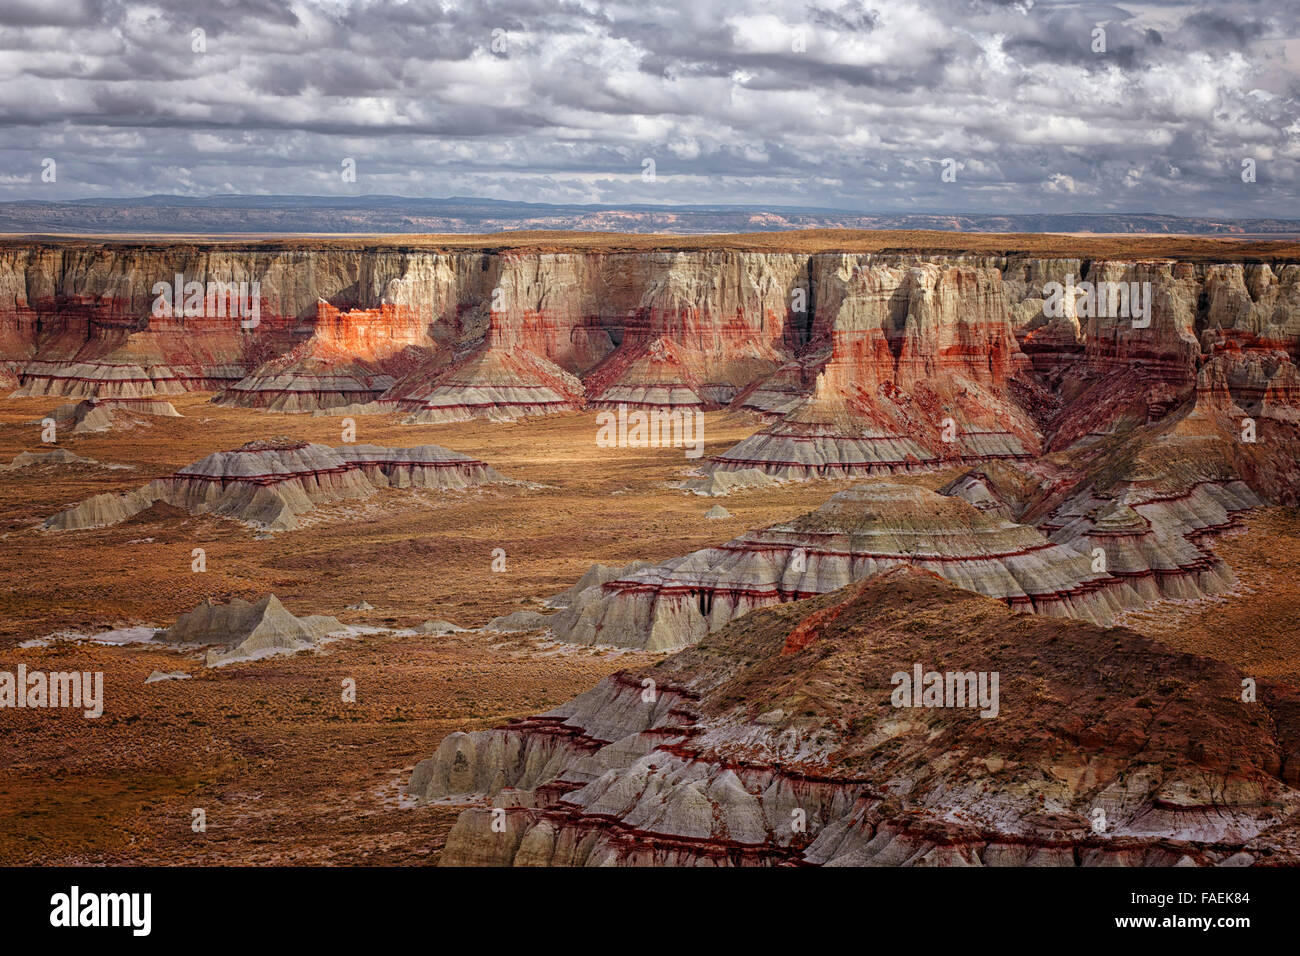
<point x="780" y="740"/>
<point x="272" y="484"/>
<point x="1114" y="523"/>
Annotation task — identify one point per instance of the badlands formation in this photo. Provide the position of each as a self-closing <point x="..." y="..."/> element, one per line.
<point x="247" y="631"/>
<point x="992" y="455"/>
<point x="878" y="526"/>
<point x="98" y="415"/>
<point x="1113" y="524"/>
<point x="777" y="740"/>
<point x="272" y="484"/>
<point x="59" y="456"/>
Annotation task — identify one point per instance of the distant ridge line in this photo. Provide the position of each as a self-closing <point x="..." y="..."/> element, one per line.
<point x="396" y="215"/>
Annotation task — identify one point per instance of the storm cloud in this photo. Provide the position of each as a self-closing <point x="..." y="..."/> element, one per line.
<point x="1039" y="107"/>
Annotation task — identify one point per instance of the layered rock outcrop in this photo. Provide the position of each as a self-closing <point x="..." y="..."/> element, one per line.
<point x="103" y="414"/>
<point x="273" y="484"/>
<point x="83" y="318"/>
<point x="1115" y="523"/>
<point x="245" y="631"/>
<point x="1095" y="557"/>
<point x="351" y="358"/>
<point x="914" y="366"/>
<point x="861" y="364"/>
<point x="497" y="383"/>
<point x="785" y="739"/>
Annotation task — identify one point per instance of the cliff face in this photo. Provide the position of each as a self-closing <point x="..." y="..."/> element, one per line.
<point x="555" y="332"/>
<point x="863" y="362"/>
<point x="724" y="314"/>
<point x="890" y="320"/>
<point x="910" y="362"/>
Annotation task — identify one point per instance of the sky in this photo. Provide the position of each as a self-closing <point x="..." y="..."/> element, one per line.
<point x="857" y="106"/>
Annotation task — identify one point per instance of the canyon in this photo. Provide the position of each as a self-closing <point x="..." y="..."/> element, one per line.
<point x="922" y="463"/>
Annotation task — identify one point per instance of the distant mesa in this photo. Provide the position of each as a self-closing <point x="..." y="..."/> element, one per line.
<point x="245" y="632"/>
<point x="272" y="484"/>
<point x="366" y="216"/>
<point x="226" y="214"/>
<point x="777" y="741"/>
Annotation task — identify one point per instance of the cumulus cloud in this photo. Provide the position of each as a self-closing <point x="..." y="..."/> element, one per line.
<point x="850" y="105"/>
